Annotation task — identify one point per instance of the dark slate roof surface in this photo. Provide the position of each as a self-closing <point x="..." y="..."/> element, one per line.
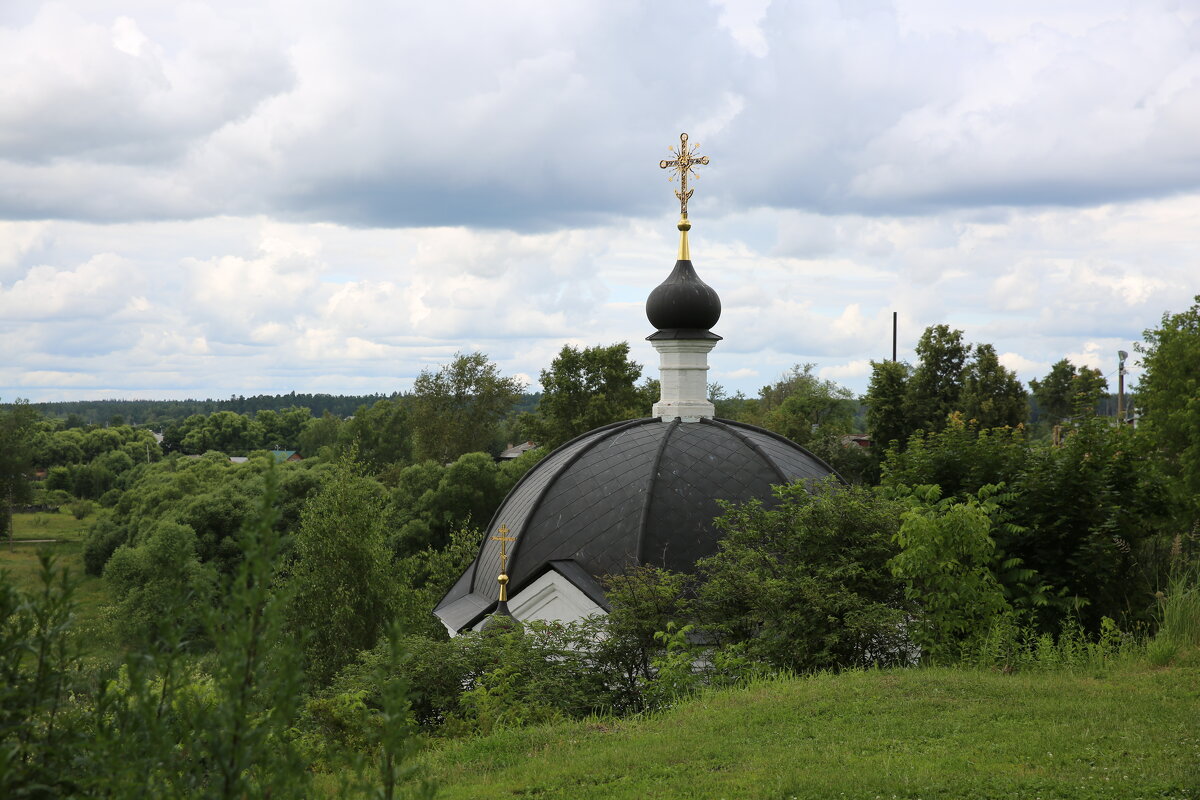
<point x="640" y="491"/>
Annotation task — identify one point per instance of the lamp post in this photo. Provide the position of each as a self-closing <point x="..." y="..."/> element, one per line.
<point x="1121" y="355"/>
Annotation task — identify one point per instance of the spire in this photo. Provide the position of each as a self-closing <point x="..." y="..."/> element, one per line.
<point x="683" y="308"/>
<point x="684" y="164"/>
<point x="503" y="538"/>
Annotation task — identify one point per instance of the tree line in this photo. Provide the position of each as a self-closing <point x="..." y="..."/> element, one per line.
<point x="287" y="607"/>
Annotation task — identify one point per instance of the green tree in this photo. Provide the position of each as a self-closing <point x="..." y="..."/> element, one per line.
<point x="584" y="389"/>
<point x="1065" y="390"/>
<point x="16" y="460"/>
<point x="945" y="558"/>
<point x="935" y="388"/>
<point x="319" y="432"/>
<point x="381" y="434"/>
<point x="458" y="409"/>
<point x="1168" y="395"/>
<point x="991" y="394"/>
<point x="341" y="576"/>
<point x="805" y="585"/>
<point x="801" y="405"/>
<point x="887" y="410"/>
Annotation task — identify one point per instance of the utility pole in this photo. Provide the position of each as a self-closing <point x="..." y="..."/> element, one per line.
<point x="1122" y="355"/>
<point x="894" y="315"/>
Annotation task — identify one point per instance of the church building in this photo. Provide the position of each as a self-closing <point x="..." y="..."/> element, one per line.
<point x="642" y="491"/>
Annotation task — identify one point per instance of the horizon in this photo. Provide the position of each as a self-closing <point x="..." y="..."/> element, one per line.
<point x="258" y="198"/>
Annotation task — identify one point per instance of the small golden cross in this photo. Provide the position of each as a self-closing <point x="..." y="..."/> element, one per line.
<point x="684" y="163"/>
<point x="503" y="538"/>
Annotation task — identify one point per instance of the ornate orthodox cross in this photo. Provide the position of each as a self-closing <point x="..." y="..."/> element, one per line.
<point x="503" y="538"/>
<point x="685" y="162"/>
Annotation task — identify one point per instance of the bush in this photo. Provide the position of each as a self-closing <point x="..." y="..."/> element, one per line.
<point x="806" y="585"/>
<point x="104" y="536"/>
<point x="945" y="558"/>
<point x="80" y="508"/>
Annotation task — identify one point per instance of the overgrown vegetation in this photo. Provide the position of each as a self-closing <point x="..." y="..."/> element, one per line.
<point x="255" y="628"/>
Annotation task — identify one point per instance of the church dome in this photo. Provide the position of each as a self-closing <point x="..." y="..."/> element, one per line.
<point x="642" y="491"/>
<point x="683" y="301"/>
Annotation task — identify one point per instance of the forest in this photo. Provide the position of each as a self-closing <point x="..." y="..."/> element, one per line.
<point x="216" y="621"/>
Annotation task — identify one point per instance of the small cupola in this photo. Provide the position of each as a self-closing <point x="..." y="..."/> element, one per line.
<point x="683" y="308"/>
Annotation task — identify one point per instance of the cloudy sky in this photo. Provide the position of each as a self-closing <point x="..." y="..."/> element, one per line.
<point x="200" y="199"/>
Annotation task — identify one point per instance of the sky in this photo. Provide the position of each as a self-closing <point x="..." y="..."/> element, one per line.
<point x="202" y="199"/>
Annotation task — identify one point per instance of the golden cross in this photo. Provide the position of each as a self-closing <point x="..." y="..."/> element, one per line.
<point x="684" y="163"/>
<point x="503" y="538"/>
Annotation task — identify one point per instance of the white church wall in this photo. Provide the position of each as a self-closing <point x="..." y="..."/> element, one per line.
<point x="551" y="598"/>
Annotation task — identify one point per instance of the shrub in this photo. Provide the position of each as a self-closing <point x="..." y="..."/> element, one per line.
<point x="806" y="584"/>
<point x="80" y="508"/>
<point x="945" y="556"/>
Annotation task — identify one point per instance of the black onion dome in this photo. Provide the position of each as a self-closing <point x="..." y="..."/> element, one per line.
<point x="637" y="492"/>
<point x="683" y="302"/>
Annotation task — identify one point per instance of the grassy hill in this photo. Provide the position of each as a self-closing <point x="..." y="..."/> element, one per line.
<point x="1130" y="731"/>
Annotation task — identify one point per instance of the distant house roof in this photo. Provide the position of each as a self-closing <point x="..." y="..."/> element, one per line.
<point x="285" y="455"/>
<point x="516" y="450"/>
<point x="238" y="459"/>
<point x="860" y="439"/>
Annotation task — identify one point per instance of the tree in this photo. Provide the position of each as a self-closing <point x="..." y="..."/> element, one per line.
<point x="887" y="411"/>
<point x="458" y="409"/>
<point x="341" y="576"/>
<point x="381" y="434"/>
<point x="936" y="385"/>
<point x="1066" y="390"/>
<point x="319" y="432"/>
<point x="16" y="460"/>
<point x="805" y="585"/>
<point x="1169" y="397"/>
<point x="991" y="394"/>
<point x="584" y="389"/>
<point x="799" y="404"/>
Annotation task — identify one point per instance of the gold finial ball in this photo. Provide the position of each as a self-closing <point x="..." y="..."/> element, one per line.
<point x="502" y="578"/>
<point x="684" y="225"/>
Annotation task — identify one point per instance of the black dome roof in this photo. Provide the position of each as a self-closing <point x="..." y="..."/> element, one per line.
<point x="637" y="492"/>
<point x="683" y="301"/>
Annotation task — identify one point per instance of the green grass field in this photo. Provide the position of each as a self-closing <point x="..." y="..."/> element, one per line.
<point x="1133" y="732"/>
<point x="20" y="563"/>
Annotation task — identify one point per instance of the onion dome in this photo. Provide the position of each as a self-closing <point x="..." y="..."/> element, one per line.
<point x="684" y="305"/>
<point x="643" y="491"/>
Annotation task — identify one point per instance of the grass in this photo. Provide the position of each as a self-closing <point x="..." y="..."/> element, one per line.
<point x="19" y="564"/>
<point x="916" y="733"/>
<point x="50" y="525"/>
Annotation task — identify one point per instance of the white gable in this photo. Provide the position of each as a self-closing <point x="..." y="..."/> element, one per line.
<point x="550" y="598"/>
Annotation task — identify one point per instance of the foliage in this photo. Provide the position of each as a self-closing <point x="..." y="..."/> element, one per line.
<point x="381" y="435"/>
<point x="804" y="583"/>
<point x="208" y="494"/>
<point x="424" y="577"/>
<point x="458" y="409"/>
<point x="644" y="600"/>
<point x="1086" y="517"/>
<point x="1011" y="645"/>
<point x="159" y="584"/>
<point x="431" y="500"/>
<point x="991" y="394"/>
<point x="1169" y="398"/>
<point x="887" y="412"/>
<point x="935" y="388"/>
<point x="16" y="460"/>
<point x="945" y="560"/>
<point x="340" y="574"/>
<point x="800" y="404"/>
<point x="40" y="668"/>
<point x="582" y="390"/>
<point x="1066" y="389"/>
